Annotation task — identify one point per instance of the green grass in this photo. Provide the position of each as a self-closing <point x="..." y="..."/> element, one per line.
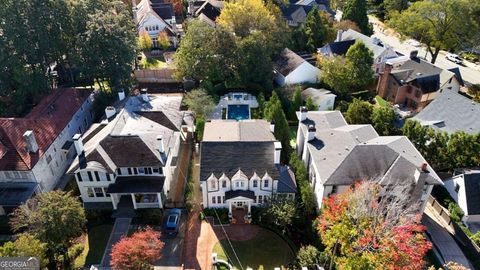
<point x="380" y="101"/>
<point x="152" y="63"/>
<point x="95" y="245"/>
<point x="266" y="251"/>
<point x="293" y="136"/>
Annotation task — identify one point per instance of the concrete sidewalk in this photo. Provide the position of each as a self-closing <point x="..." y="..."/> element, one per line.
<point x="120" y="228"/>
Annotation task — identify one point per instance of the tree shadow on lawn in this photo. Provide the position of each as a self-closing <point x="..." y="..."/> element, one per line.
<point x="266" y="251"/>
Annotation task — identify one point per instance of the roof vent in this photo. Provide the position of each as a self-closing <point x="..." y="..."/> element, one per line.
<point x="419" y="74"/>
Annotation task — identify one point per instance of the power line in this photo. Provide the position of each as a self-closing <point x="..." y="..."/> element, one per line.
<point x="228" y="239"/>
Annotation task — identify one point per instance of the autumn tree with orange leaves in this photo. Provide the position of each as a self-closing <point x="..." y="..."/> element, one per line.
<point x="373" y="227"/>
<point x="138" y="251"/>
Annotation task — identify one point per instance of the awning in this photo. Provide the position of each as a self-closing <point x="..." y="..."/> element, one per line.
<point x="240" y="193"/>
<point x="137" y="184"/>
<point x="13" y="194"/>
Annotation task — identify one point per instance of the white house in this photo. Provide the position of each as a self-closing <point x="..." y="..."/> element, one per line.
<point x="35" y="150"/>
<point x="154" y="17"/>
<point x="130" y="158"/>
<point x="337" y="155"/>
<point x="381" y="52"/>
<point x="323" y="98"/>
<point x="240" y="165"/>
<point x="290" y="68"/>
<point x="464" y="187"/>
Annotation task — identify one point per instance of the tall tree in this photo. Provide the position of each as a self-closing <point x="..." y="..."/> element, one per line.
<point x="359" y="112"/>
<point x="144" y="41"/>
<point x="383" y="120"/>
<point x="205" y="53"/>
<point x="440" y="25"/>
<point x="199" y="102"/>
<point x="54" y="218"/>
<point x="138" y="251"/>
<point x="316" y="30"/>
<point x="356" y="11"/>
<point x="296" y="103"/>
<point x="281" y="211"/>
<point x="360" y="61"/>
<point x="350" y="73"/>
<point x="417" y="134"/>
<point x="107" y="47"/>
<point x="273" y="112"/>
<point x="365" y="228"/>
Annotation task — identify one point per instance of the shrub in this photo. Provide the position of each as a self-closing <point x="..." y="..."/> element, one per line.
<point x="149" y="216"/>
<point x="76" y="250"/>
<point x="456" y="213"/>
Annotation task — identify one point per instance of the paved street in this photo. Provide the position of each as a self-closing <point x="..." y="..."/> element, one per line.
<point x="470" y="73"/>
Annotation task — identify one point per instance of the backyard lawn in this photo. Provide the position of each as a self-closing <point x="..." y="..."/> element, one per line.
<point x="152" y="62"/>
<point x="94" y="246"/>
<point x="381" y="102"/>
<point x="265" y="251"/>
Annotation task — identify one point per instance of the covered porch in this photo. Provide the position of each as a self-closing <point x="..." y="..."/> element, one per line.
<point x="240" y="205"/>
<point x="137" y="192"/>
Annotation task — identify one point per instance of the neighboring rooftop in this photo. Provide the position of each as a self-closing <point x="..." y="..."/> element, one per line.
<point x="129" y="139"/>
<point x="451" y="112"/>
<point x="47" y="120"/>
<point x="232" y="130"/>
<point x="288" y="62"/>
<point x="339" y="147"/>
<point x="316" y="94"/>
<point x="472" y="191"/>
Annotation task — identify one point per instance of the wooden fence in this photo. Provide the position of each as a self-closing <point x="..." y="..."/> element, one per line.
<point x="162" y="75"/>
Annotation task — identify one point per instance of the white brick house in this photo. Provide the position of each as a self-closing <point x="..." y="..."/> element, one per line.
<point x="240" y="165"/>
<point x="36" y="150"/>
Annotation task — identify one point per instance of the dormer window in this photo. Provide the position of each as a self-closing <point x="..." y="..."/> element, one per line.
<point x="213" y="184"/>
<point x="265" y="183"/>
<point x="255" y="183"/>
<point x="224" y="183"/>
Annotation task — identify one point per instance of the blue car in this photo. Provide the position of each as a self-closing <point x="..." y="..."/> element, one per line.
<point x="173" y="220"/>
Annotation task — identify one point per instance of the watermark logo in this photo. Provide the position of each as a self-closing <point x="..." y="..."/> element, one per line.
<point x="19" y="263"/>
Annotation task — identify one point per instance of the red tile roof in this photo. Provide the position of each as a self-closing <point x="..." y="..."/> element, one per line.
<point x="46" y="120"/>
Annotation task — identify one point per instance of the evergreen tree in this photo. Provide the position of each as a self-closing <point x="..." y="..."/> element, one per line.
<point x="296" y="103"/>
<point x="273" y="112"/>
<point x="311" y="106"/>
<point x="360" y="61"/>
<point x="356" y="11"/>
<point x="315" y="30"/>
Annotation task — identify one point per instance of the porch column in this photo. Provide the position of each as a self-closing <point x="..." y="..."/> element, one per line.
<point x="114" y="201"/>
<point x="159" y="196"/>
<point x="230" y="207"/>
<point x="133" y="201"/>
<point x="249" y="207"/>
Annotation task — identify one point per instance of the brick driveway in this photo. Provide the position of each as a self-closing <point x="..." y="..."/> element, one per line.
<point x="202" y="236"/>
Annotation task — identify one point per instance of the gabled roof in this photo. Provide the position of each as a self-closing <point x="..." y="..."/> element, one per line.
<point x="129" y="139"/>
<point x="472" y="191"/>
<point x="336" y="48"/>
<point x="316" y="94"/>
<point x="287" y="62"/>
<point x="228" y="157"/>
<point x="210" y="9"/>
<point x="374" y="44"/>
<point x="146" y="8"/>
<point x="451" y="112"/>
<point x="47" y="120"/>
<point x="345" y="153"/>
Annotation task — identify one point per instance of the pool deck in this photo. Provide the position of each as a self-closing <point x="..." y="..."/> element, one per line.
<point x="225" y="101"/>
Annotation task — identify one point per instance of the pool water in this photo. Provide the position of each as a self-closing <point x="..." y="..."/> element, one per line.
<point x="238" y="112"/>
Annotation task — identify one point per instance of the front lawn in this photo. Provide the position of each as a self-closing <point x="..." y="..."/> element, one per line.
<point x="266" y="251"/>
<point x="95" y="246"/>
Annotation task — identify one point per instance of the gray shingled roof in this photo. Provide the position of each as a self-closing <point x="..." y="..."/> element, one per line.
<point x="352" y="152"/>
<point x="288" y="62"/>
<point x="451" y="112"/>
<point x="286" y="182"/>
<point x="229" y="157"/>
<point x="472" y="192"/>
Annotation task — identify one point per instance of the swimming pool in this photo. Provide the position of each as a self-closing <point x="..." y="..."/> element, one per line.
<point x="238" y="112"/>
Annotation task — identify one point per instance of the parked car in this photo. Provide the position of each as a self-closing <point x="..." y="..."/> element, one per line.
<point x="454" y="58"/>
<point x="413" y="42"/>
<point x="173" y="221"/>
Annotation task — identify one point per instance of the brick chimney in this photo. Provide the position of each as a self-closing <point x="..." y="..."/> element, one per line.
<point x="382" y="86"/>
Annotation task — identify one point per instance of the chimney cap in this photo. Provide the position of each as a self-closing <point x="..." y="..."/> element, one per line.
<point x="143" y="90"/>
<point x="272" y="122"/>
<point x="424" y="167"/>
<point x="303" y="109"/>
<point x="77" y="137"/>
<point x="311" y="128"/>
